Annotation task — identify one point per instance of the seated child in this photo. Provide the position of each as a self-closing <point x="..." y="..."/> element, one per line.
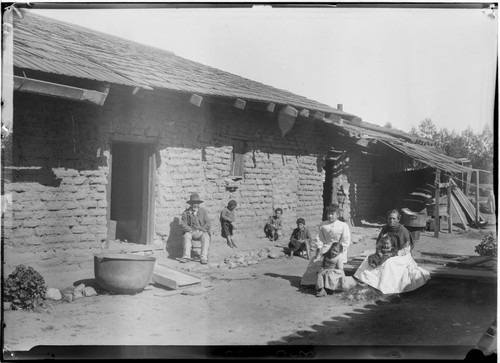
<point x="331" y="276"/>
<point x="227" y="218"/>
<point x="385" y="250"/>
<point x="274" y="225"/>
<point x="300" y="239"/>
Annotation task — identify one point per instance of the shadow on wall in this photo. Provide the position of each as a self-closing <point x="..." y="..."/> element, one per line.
<point x="174" y="241"/>
<point x="42" y="175"/>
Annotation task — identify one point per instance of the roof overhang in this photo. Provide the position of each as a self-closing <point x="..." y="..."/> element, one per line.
<point x="401" y="143"/>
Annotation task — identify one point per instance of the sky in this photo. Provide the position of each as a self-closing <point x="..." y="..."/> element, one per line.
<point x="396" y="66"/>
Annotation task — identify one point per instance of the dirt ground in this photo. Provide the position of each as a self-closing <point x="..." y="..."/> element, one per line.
<point x="261" y="311"/>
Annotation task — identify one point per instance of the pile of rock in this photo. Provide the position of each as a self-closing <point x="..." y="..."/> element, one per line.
<point x="71" y="293"/>
<point x="249" y="258"/>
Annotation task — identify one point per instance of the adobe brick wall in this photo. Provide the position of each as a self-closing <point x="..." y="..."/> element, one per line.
<point x="58" y="174"/>
<point x="57" y="184"/>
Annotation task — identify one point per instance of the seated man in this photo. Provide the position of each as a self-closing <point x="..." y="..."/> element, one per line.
<point x="195" y="225"/>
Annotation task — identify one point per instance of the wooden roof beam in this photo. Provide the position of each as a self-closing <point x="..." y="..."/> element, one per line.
<point x="138" y="88"/>
<point x="319" y="115"/>
<point x="195" y="100"/>
<point x="290" y="111"/>
<point x="192" y="98"/>
<point x="226" y="101"/>
<point x="239" y="103"/>
<point x="304" y="112"/>
<point x="30" y="85"/>
<point x="362" y="142"/>
<point x="261" y="106"/>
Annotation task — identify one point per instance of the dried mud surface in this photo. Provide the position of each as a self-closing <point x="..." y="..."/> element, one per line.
<point x="262" y="305"/>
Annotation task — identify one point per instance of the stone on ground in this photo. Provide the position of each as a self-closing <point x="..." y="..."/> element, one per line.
<point x="77" y="294"/>
<point x="89" y="291"/>
<point x="53" y="294"/>
<point x="194" y="291"/>
<point x="80" y="287"/>
<point x="273" y="254"/>
<point x="67" y="296"/>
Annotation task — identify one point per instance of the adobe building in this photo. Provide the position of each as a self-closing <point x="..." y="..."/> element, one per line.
<point x="108" y="138"/>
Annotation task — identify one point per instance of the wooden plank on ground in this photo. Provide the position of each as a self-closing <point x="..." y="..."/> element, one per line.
<point x="445" y="255"/>
<point x="468" y="207"/>
<point x="464" y="205"/>
<point x="436" y="271"/>
<point x="472" y="261"/>
<point x="172" y="278"/>
<point x="358" y="258"/>
<point x="432" y="260"/>
<point x="459" y="212"/>
<point x="461" y="273"/>
<point x="463" y="200"/>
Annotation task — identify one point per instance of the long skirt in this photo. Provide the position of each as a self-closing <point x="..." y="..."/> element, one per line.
<point x="311" y="275"/>
<point x="331" y="280"/>
<point x="397" y="274"/>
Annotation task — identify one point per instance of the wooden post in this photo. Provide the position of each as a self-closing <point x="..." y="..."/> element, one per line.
<point x="477" y="198"/>
<point x="437" y="225"/>
<point x="448" y="192"/>
<point x="467" y="184"/>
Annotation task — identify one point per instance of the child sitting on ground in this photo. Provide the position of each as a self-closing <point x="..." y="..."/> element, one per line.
<point x="227" y="218"/>
<point x="300" y="239"/>
<point x="331" y="276"/>
<point x="385" y="250"/>
<point x="274" y="225"/>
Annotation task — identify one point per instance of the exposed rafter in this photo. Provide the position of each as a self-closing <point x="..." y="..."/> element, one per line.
<point x="30" y="85"/>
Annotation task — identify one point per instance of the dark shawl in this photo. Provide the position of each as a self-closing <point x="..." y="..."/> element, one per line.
<point x="400" y="234"/>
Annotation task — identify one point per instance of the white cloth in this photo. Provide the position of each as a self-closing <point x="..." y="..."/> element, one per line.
<point x="310" y="277"/>
<point x="333" y="232"/>
<point x="328" y="233"/>
<point x="397" y="274"/>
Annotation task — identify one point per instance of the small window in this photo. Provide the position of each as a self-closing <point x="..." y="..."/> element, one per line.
<point x="238" y="159"/>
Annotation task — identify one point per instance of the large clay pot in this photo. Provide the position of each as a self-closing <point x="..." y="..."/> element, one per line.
<point x="123" y="273"/>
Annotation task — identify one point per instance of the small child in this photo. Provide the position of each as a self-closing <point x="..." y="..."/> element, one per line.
<point x="300" y="239"/>
<point x="274" y="225"/>
<point x="385" y="250"/>
<point x="331" y="276"/>
<point x="227" y="218"/>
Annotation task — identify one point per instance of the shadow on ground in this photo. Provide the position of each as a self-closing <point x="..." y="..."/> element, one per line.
<point x="293" y="279"/>
<point x="448" y="313"/>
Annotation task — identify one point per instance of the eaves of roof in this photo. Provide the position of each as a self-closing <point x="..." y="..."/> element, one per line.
<point x="51" y="46"/>
<point x="402" y="143"/>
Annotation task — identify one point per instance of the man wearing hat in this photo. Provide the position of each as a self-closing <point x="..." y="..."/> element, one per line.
<point x="195" y="225"/>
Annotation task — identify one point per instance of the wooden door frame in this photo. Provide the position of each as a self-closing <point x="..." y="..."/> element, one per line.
<point x="149" y="173"/>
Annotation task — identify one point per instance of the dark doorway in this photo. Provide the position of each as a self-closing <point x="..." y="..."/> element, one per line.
<point x="328" y="186"/>
<point x="131" y="191"/>
<point x="335" y="186"/>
